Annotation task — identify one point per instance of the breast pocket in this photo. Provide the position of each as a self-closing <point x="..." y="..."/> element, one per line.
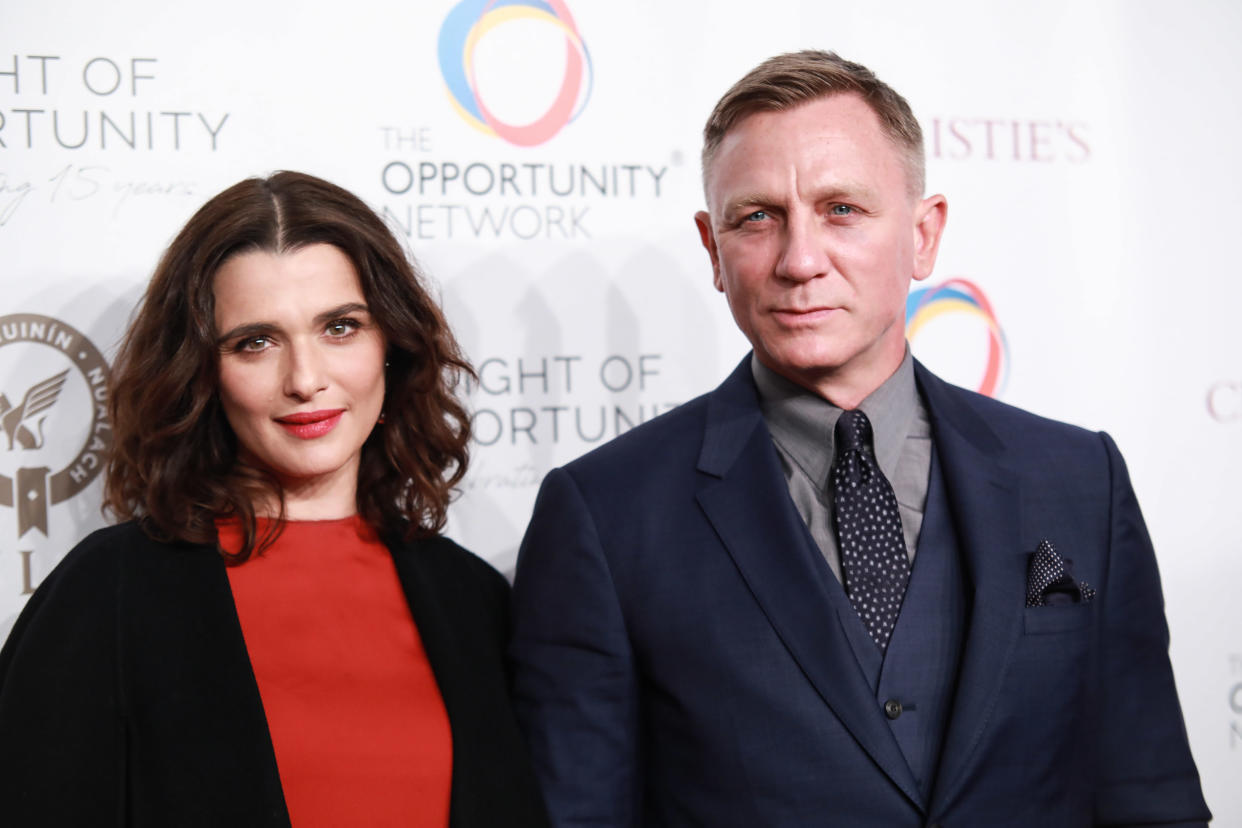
<point x="1046" y="686"/>
<point x="1050" y="620"/>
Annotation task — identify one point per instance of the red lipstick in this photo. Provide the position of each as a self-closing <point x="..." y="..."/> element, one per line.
<point x="307" y="425"/>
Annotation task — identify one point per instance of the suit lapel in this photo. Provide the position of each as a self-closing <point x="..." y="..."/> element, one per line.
<point x="444" y="653"/>
<point x="213" y="683"/>
<point x="460" y="607"/>
<point x="984" y="501"/>
<point x="745" y="497"/>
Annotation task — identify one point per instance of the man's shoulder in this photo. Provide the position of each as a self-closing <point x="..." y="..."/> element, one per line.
<point x="672" y="438"/>
<point x="995" y="412"/>
<point x="1017" y="429"/>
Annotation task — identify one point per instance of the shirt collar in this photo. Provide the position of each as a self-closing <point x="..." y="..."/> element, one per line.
<point x="802" y="422"/>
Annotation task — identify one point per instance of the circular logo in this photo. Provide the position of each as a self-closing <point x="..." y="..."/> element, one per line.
<point x="468" y="21"/>
<point x="40" y="406"/>
<point x="1224" y="401"/>
<point x="958" y="296"/>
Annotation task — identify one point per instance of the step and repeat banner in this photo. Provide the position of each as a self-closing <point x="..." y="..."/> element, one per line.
<point x="540" y="159"/>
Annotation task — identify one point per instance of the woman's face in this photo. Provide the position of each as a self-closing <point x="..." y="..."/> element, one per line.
<point x="301" y="371"/>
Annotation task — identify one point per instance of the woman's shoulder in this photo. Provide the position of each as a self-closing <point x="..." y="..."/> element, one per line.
<point x="449" y="567"/>
<point x="444" y="554"/>
<point x="98" y="554"/>
<point x="124" y="535"/>
<point x="109" y="545"/>
<point x="77" y="600"/>
<point x="123" y="553"/>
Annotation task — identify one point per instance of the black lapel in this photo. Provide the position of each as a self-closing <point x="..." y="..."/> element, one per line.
<point x="460" y="606"/>
<point x="187" y="639"/>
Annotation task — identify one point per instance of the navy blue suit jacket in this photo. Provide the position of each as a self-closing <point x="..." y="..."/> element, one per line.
<point x="677" y="660"/>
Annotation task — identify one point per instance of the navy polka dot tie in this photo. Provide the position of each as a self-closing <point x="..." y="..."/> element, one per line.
<point x="874" y="564"/>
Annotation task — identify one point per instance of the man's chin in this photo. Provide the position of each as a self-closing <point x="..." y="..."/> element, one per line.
<point x="801" y="370"/>
<point x="814" y="363"/>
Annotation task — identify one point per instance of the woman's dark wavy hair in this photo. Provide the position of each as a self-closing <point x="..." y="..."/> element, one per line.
<point x="174" y="465"/>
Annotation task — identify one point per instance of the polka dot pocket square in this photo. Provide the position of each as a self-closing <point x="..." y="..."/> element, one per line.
<point x="1050" y="582"/>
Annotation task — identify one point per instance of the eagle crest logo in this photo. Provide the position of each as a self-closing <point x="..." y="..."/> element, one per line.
<point x="23" y="424"/>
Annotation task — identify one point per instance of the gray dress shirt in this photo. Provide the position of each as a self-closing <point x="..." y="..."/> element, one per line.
<point x="802" y="424"/>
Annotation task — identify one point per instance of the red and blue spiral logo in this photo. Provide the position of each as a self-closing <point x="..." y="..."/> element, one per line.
<point x="959" y="296"/>
<point x="460" y="33"/>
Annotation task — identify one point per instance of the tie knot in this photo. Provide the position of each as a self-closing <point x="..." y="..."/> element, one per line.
<point x="853" y="431"/>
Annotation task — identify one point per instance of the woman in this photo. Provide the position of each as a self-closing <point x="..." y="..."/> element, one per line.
<point x="276" y="634"/>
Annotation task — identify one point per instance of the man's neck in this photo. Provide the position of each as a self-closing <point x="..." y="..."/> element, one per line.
<point x="844" y="388"/>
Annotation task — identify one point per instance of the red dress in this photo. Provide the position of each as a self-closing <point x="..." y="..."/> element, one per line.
<point x="359" y="729"/>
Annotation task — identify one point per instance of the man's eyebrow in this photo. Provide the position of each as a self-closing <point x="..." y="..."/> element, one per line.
<point x="749" y="200"/>
<point x="844" y="191"/>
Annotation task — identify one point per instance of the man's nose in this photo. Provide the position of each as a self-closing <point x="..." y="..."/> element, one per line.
<point x="804" y="254"/>
<point x="304" y="371"/>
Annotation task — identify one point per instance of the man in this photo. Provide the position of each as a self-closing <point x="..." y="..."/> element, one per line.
<point x="837" y="590"/>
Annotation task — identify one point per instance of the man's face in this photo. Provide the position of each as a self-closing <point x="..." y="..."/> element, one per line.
<point x="814" y="238"/>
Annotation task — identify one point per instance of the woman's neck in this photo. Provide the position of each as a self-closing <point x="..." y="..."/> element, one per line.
<point x="315" y="500"/>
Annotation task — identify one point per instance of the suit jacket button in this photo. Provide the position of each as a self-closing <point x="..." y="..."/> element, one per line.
<point x="892" y="708"/>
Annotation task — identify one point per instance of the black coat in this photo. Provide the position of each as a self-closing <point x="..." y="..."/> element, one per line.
<point x="127" y="697"/>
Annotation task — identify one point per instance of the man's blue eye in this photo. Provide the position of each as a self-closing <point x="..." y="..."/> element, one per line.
<point x="758" y="215"/>
<point x="842" y="209"/>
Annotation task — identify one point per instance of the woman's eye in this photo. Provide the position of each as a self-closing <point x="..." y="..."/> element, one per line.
<point x="342" y="327"/>
<point x="253" y="344"/>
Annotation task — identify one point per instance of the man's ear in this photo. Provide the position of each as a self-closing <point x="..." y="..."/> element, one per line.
<point x="704" y="221"/>
<point x="930" y="215"/>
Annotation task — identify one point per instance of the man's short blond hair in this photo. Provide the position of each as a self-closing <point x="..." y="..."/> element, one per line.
<point x="786" y="81"/>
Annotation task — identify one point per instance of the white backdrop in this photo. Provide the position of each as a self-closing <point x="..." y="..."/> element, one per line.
<point x="1087" y="154"/>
